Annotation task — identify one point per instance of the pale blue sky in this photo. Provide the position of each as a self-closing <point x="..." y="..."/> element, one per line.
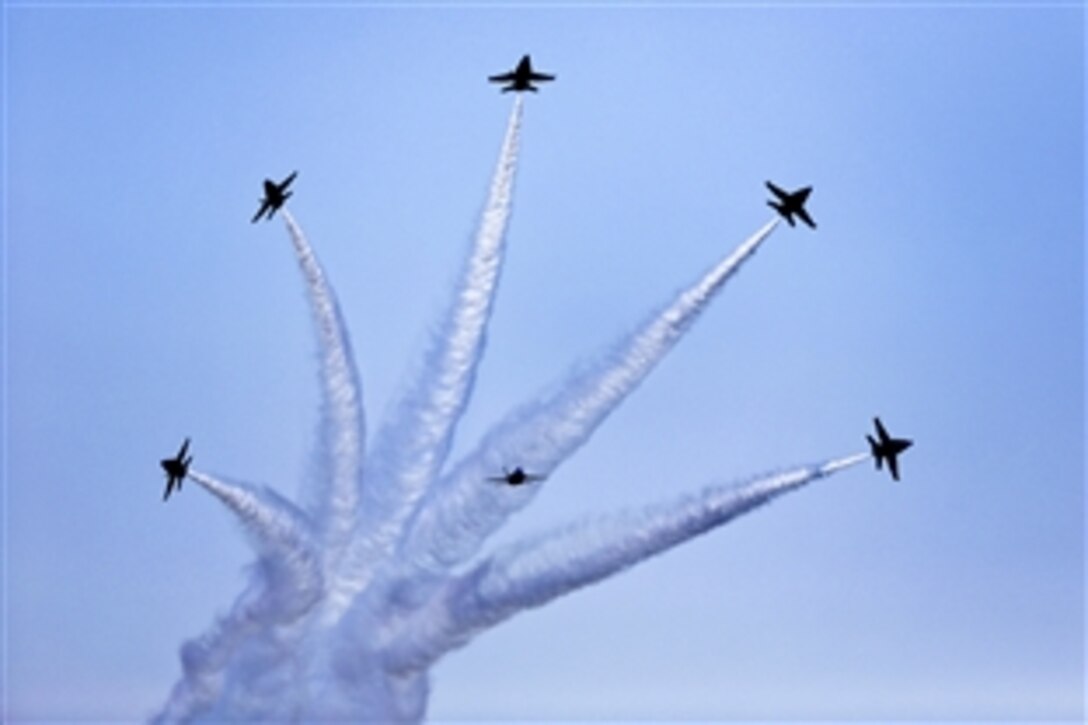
<point x="943" y="290"/>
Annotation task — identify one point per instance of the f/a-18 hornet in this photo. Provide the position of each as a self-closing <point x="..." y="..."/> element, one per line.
<point x="522" y="77"/>
<point x="790" y="203"/>
<point x="516" y="477"/>
<point x="274" y="196"/>
<point x="887" y="448"/>
<point x="176" y="468"/>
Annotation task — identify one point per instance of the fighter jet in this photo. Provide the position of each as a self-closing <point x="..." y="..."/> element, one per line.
<point x="515" y="477"/>
<point x="887" y="448"/>
<point x="176" y="468"/>
<point x="790" y="203"/>
<point x="274" y="196"/>
<point x="522" y="77"/>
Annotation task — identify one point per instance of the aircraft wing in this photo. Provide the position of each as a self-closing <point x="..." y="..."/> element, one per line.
<point x="880" y="430"/>
<point x="780" y="193"/>
<point x="287" y="182"/>
<point x="893" y="466"/>
<point x="502" y="77"/>
<point x="184" y="449"/>
<point x="541" y="76"/>
<point x="265" y="206"/>
<point x="803" y="216"/>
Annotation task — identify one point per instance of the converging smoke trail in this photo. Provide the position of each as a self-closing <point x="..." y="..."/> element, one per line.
<point x="534" y="572"/>
<point x="286" y="583"/>
<point x="413" y="445"/>
<point x="343" y="422"/>
<point x="464" y="511"/>
<point x="417" y="439"/>
<point x="283" y="539"/>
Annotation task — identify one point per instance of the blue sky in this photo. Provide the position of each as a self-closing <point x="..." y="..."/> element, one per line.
<point x="943" y="290"/>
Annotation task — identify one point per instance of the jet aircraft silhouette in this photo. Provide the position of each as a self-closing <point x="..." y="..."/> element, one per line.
<point x="176" y="468"/>
<point x="274" y="196"/>
<point x="522" y="77"/>
<point x="515" y="477"/>
<point x="887" y="448"/>
<point x="790" y="203"/>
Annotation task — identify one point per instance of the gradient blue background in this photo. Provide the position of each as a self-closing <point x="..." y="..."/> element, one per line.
<point x="943" y="290"/>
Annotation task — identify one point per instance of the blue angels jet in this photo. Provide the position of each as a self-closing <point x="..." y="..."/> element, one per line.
<point x="176" y="468"/>
<point x="515" y="477"/>
<point x="887" y="448"/>
<point x="274" y="196"/>
<point x="789" y="203"/>
<point x="522" y="77"/>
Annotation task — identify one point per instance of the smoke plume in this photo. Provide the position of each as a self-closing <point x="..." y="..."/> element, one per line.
<point x="354" y="596"/>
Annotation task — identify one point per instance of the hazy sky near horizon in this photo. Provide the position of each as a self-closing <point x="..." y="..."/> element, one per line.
<point x="943" y="290"/>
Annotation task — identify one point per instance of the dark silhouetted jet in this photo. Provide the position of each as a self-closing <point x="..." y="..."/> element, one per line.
<point x="887" y="448"/>
<point x="515" y="477"/>
<point x="790" y="203"/>
<point x="274" y="196"/>
<point x="176" y="468"/>
<point x="522" y="77"/>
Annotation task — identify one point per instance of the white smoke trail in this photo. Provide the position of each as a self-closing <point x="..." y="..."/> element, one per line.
<point x="283" y="538"/>
<point x="464" y="511"/>
<point x="336" y="501"/>
<point x="531" y="573"/>
<point x="414" y="443"/>
<point x="286" y="582"/>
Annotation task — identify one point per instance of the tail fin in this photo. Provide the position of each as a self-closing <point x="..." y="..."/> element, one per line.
<point x="876" y="452"/>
